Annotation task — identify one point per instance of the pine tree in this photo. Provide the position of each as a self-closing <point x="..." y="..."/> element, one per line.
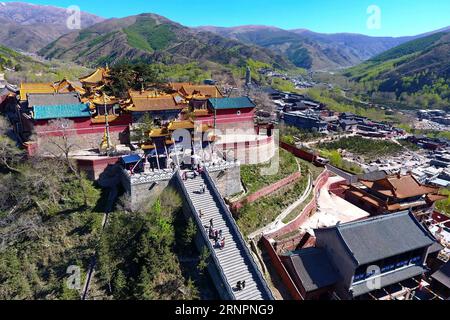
<point x="120" y="284"/>
<point x="144" y="287"/>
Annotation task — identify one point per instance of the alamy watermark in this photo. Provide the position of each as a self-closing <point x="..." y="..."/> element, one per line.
<point x="374" y="19"/>
<point x="73" y="21"/>
<point x="242" y="145"/>
<point x="74" y="279"/>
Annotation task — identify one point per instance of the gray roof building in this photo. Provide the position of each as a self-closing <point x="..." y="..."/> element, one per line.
<point x="311" y="268"/>
<point x="443" y="275"/>
<point x="53" y="99"/>
<point x="355" y="259"/>
<point x="381" y="237"/>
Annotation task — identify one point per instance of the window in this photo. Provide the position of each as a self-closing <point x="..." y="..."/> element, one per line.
<point x="387" y="268"/>
<point x="360" y="274"/>
<point x="415" y="260"/>
<point x="401" y="264"/>
<point x="238" y="112"/>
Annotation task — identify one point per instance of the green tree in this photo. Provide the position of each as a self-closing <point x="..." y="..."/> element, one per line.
<point x="145" y="289"/>
<point x="204" y="260"/>
<point x="141" y="130"/>
<point x="189" y="233"/>
<point x="120" y="284"/>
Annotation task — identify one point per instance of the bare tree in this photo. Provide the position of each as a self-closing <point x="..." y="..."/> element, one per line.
<point x="262" y="101"/>
<point x="10" y="154"/>
<point x="64" y="141"/>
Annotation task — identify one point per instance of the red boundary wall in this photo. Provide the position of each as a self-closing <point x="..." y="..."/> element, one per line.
<point x="305" y="214"/>
<point x="235" y="206"/>
<point x="300" y="241"/>
<point x="95" y="167"/>
<point x="302" y="154"/>
<point x="281" y="270"/>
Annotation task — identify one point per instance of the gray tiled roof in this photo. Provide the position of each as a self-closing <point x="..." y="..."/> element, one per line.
<point x="382" y="237"/>
<point x="51" y="99"/>
<point x="313" y="268"/>
<point x="443" y="275"/>
<point x="373" y="176"/>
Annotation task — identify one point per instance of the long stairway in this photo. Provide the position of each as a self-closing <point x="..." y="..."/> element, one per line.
<point x="235" y="258"/>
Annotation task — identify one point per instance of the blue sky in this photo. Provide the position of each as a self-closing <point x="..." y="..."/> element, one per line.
<point x="398" y="17"/>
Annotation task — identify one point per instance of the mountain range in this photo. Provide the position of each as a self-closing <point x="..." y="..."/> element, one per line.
<point x="29" y="27"/>
<point x="151" y="38"/>
<point x="311" y="50"/>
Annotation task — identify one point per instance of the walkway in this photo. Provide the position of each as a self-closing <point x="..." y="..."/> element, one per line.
<point x="278" y="223"/>
<point x="235" y="261"/>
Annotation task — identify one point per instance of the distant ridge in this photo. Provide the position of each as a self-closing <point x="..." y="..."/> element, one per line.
<point x="313" y="50"/>
<point x="154" y="38"/>
<point x="29" y="27"/>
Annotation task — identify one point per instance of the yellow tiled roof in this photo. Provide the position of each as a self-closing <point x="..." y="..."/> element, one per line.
<point x="185" y="124"/>
<point x="96" y="77"/>
<point x="201" y="112"/>
<point x="152" y="101"/>
<point x="158" y="132"/>
<point x="26" y="88"/>
<point x="63" y="86"/>
<point x="201" y="91"/>
<point x="101" y="100"/>
<point x="146" y="146"/>
<point x="101" y="119"/>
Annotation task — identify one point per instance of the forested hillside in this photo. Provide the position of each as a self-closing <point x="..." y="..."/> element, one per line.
<point x="417" y="73"/>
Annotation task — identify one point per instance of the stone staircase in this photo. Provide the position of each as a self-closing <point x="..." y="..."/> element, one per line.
<point x="235" y="260"/>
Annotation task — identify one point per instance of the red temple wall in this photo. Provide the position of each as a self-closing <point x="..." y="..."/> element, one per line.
<point x="281" y="270"/>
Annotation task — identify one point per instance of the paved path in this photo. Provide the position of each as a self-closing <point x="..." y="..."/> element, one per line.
<point x="278" y="222"/>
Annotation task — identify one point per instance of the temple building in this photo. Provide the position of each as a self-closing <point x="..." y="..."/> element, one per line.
<point x="379" y="258"/>
<point x="227" y="113"/>
<point x="91" y="112"/>
<point x="393" y="194"/>
<point x="96" y="80"/>
<point x="37" y="114"/>
<point x="198" y="95"/>
<point x="8" y="93"/>
<point x="160" y="106"/>
<point x="63" y="86"/>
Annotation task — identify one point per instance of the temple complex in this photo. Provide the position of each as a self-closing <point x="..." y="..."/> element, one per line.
<point x="84" y="103"/>
<point x="178" y="112"/>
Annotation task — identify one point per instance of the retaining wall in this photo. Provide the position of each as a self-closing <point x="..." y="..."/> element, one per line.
<point x="350" y="177"/>
<point x="236" y="206"/>
<point x="302" y="154"/>
<point x="307" y="211"/>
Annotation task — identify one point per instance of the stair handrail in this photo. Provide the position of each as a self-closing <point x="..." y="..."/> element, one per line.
<point x="230" y="218"/>
<point x="205" y="236"/>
